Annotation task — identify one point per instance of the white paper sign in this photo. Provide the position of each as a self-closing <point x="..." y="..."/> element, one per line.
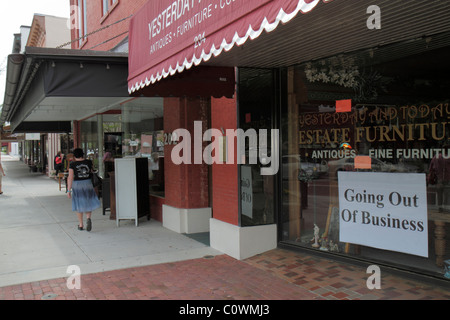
<point x="384" y="210"/>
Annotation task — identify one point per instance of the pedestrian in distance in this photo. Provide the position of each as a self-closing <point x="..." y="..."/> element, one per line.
<point x="81" y="190"/>
<point x="2" y="174"/>
<point x="59" y="164"/>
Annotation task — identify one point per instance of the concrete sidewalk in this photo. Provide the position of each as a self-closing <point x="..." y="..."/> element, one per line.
<point x="39" y="239"/>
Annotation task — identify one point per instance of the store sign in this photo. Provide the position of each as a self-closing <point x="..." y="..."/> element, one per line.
<point x="384" y="210"/>
<point x="382" y="124"/>
<point x="32" y="136"/>
<point x="169" y="36"/>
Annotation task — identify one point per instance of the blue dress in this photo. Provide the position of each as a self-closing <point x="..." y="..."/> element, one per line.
<point x="84" y="197"/>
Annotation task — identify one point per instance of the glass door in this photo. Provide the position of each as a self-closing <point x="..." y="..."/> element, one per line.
<point x="257" y="120"/>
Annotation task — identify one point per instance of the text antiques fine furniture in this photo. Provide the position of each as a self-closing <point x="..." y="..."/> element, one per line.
<point x="132" y="190"/>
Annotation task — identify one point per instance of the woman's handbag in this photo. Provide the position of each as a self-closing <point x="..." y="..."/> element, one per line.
<point x="96" y="180"/>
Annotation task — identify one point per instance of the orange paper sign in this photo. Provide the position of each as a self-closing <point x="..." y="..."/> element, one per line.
<point x="363" y="162"/>
<point x="343" y="105"/>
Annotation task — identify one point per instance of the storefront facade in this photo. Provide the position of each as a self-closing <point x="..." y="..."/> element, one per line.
<point x="356" y="112"/>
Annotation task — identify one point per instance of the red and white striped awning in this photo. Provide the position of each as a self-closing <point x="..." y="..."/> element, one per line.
<point x="169" y="36"/>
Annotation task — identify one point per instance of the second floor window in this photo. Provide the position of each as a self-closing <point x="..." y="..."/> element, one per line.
<point x="82" y="22"/>
<point x="107" y="5"/>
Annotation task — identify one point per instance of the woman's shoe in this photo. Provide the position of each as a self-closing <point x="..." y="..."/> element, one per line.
<point x="88" y="225"/>
<point x="80" y="228"/>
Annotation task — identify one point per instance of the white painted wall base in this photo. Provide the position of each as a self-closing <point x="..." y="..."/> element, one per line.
<point x="186" y="220"/>
<point x="242" y="242"/>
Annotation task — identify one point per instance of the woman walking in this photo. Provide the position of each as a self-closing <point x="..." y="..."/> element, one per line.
<point x="81" y="190"/>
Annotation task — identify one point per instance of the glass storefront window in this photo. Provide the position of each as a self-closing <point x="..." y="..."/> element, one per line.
<point x="362" y="137"/>
<point x="112" y="140"/>
<point x="136" y="130"/>
<point x="66" y="141"/>
<point x="89" y="139"/>
<point x="95" y="140"/>
<point x="143" y="136"/>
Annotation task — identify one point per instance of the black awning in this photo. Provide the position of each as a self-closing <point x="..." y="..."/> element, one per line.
<point x="44" y="127"/>
<point x="56" y="86"/>
<point x="84" y="79"/>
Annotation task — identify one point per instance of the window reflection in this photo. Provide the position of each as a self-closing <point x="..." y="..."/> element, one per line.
<point x="397" y="125"/>
<point x="256" y="110"/>
<point x="143" y="136"/>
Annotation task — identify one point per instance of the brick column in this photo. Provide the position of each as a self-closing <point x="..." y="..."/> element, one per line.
<point x="186" y="208"/>
<point x="225" y="176"/>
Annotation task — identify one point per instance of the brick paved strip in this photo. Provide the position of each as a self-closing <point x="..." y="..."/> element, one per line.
<point x="345" y="281"/>
<point x="221" y="278"/>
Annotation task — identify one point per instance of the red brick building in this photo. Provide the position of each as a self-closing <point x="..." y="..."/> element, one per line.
<point x="108" y="16"/>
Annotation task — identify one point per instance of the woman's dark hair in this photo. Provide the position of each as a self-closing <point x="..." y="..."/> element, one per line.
<point x="78" y="153"/>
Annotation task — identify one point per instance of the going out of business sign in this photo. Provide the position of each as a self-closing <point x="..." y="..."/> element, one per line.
<point x="384" y="210"/>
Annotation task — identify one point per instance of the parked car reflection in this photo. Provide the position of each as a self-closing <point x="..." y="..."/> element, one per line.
<point x="409" y="165"/>
<point x="291" y="164"/>
<point x="348" y="164"/>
